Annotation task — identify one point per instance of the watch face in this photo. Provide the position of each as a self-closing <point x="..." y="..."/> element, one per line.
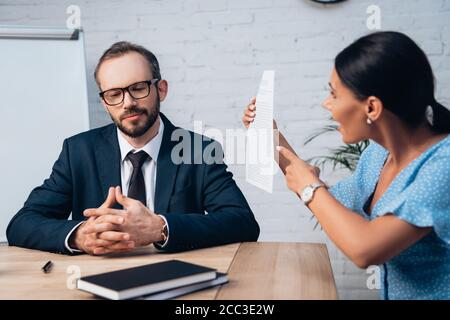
<point x="307" y="194"/>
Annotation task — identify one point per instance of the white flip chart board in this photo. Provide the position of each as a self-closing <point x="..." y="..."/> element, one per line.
<point x="43" y="101"/>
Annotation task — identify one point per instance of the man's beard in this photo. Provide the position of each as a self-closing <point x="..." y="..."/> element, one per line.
<point x="138" y="130"/>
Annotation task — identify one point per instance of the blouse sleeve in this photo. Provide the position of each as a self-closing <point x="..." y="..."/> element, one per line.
<point x="426" y="201"/>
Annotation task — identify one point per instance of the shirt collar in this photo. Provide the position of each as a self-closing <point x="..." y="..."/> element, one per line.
<point x="152" y="147"/>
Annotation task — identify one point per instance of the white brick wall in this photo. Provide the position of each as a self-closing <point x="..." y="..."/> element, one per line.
<point x="213" y="53"/>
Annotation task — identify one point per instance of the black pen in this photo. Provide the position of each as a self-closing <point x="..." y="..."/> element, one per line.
<point x="47" y="267"/>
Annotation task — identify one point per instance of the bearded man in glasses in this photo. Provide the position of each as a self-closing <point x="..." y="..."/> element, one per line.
<point x="121" y="182"/>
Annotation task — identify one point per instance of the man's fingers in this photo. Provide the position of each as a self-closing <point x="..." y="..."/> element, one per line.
<point x="122" y="246"/>
<point x="99" y="243"/>
<point x="115" y="218"/>
<point x="110" y="199"/>
<point x="97" y="212"/>
<point x="114" y="236"/>
<point x="100" y="227"/>
<point x="123" y="200"/>
<point x="102" y="250"/>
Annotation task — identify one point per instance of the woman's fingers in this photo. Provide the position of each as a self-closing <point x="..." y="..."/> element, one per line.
<point x="249" y="113"/>
<point x="275" y="126"/>
<point x="317" y="170"/>
<point x="247" y="120"/>
<point x="286" y="153"/>
<point x="251" y="106"/>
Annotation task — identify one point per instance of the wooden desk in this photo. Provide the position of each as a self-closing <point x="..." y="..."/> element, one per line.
<point x="257" y="270"/>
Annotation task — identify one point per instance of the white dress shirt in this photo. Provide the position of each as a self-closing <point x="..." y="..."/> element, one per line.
<point x="148" y="170"/>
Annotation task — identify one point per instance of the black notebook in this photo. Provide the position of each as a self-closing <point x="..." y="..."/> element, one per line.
<point x="173" y="293"/>
<point x="144" y="280"/>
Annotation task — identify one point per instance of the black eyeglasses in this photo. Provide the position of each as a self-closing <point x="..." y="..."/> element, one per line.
<point x="138" y="90"/>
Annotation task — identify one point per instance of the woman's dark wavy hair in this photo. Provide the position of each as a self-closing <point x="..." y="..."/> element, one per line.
<point x="391" y="66"/>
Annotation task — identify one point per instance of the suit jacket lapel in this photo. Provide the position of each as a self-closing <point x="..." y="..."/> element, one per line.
<point x="166" y="170"/>
<point x="107" y="155"/>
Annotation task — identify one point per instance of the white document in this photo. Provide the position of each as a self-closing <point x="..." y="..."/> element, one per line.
<point x="259" y="168"/>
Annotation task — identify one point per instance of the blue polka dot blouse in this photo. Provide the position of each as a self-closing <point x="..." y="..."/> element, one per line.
<point x="419" y="195"/>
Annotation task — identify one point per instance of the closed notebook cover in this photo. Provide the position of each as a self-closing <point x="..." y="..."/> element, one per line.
<point x="147" y="275"/>
<point x="220" y="279"/>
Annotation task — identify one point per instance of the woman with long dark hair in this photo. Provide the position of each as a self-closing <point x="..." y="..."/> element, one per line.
<point x="394" y="210"/>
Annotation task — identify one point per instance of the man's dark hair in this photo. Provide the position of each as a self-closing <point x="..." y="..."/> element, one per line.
<point x="120" y="48"/>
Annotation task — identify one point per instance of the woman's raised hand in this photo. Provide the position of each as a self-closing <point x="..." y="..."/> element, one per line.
<point x="249" y="113"/>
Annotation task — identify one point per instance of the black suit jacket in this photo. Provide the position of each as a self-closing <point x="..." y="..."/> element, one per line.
<point x="89" y="164"/>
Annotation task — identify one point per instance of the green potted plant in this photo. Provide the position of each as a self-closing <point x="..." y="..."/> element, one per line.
<point x="345" y="156"/>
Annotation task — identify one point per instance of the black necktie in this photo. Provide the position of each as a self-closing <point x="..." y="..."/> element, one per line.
<point x="136" y="189"/>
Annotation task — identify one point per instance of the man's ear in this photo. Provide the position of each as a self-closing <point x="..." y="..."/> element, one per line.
<point x="374" y="108"/>
<point x="163" y="88"/>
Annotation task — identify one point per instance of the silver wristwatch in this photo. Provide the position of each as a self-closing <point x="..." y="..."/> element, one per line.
<point x="308" y="192"/>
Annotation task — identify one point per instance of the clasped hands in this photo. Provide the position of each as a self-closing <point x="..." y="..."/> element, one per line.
<point x="109" y="230"/>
